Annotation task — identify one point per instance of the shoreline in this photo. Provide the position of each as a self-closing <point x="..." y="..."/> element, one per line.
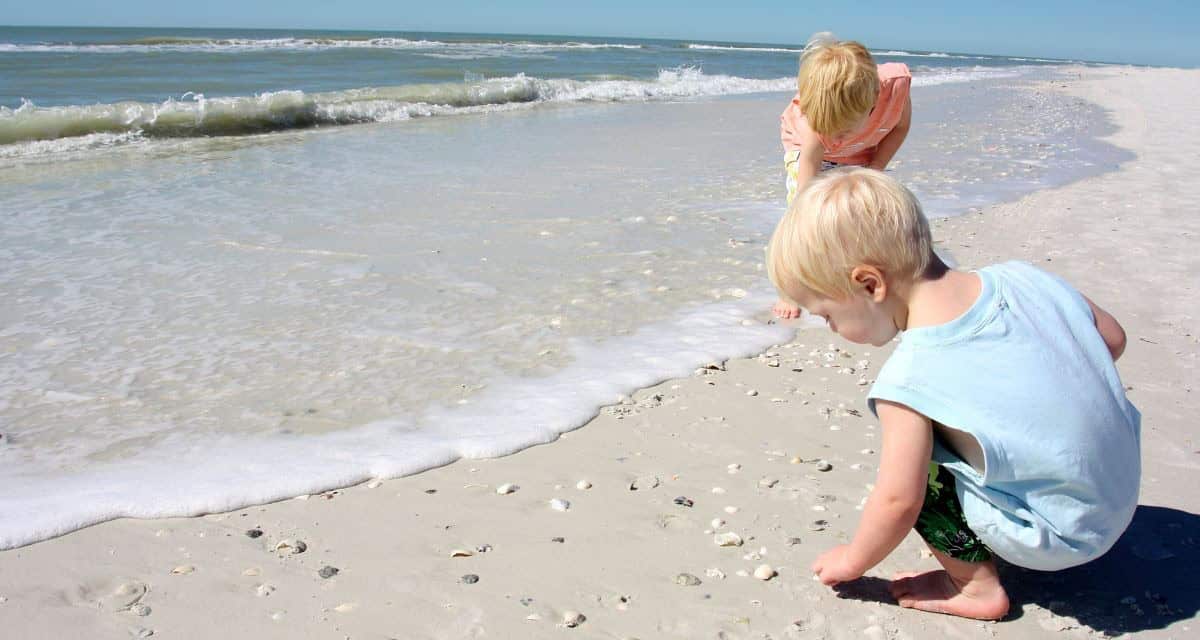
<point x="622" y="551"/>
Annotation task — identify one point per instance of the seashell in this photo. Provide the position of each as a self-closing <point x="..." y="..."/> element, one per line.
<point x="717" y="523"/>
<point x="346" y="607"/>
<point x="731" y="509"/>
<point x="506" y="488"/>
<point x="469" y="578"/>
<point x="824" y="465"/>
<point x="140" y="609"/>
<point x="718" y="491"/>
<point x="684" y="501"/>
<point x="558" y="539"/>
<point x="733" y="468"/>
<point x="483" y="548"/>
<point x="793" y="541"/>
<point x="772" y="363"/>
<point x="328" y="572"/>
<point x="254" y="533"/>
<point x="765" y="572"/>
<point x="727" y="539"/>
<point x="715" y="573"/>
<point x="264" y="590"/>
<point x="291" y="546"/>
<point x="374" y="484"/>
<point x="751" y="392"/>
<point x="818" y="525"/>
<point x="252" y="571"/>
<point x="183" y="570"/>
<point x="641" y="483"/>
<point x="572" y="619"/>
<point x="583" y="485"/>
<point x="768" y="482"/>
<point x="461" y="553"/>
<point x="687" y="580"/>
<point x="558" y="504"/>
<point x="533" y="617"/>
<point x="141" y="632"/>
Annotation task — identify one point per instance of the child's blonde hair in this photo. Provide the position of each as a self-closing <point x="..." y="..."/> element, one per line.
<point x="845" y="218"/>
<point x="838" y="83"/>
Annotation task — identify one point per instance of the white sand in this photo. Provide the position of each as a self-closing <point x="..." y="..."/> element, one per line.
<point x="1127" y="239"/>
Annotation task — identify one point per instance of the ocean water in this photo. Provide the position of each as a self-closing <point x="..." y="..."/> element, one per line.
<point x="243" y="265"/>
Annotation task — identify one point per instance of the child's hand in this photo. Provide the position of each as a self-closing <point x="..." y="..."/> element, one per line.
<point x="834" y="566"/>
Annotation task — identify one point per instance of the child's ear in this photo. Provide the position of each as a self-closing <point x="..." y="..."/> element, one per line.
<point x="870" y="281"/>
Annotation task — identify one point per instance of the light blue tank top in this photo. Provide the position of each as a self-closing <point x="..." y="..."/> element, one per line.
<point x="1026" y="373"/>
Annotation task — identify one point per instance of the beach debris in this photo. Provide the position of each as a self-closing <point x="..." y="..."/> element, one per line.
<point x="291" y="546"/>
<point x="183" y="570"/>
<point x="687" y="580"/>
<point x="727" y="539"/>
<point x="731" y="509"/>
<point x="254" y="533"/>
<point x="751" y="392"/>
<point x="733" y="468"/>
<point x="264" y="590"/>
<point x="572" y="619"/>
<point x="483" y="548"/>
<point x="824" y="465"/>
<point x="469" y="578"/>
<point x="818" y="525"/>
<point x="641" y="483"/>
<point x="141" y="632"/>
<point x="765" y="572"/>
<point x="139" y="609"/>
<point x="328" y="572"/>
<point x="772" y="363"/>
<point x="507" y="488"/>
<point x="430" y="491"/>
<point x="461" y="553"/>
<point x="558" y="539"/>
<point x="768" y="482"/>
<point x="683" y="501"/>
<point x="714" y="366"/>
<point x="558" y="504"/>
<point x="793" y="541"/>
<point x="717" y="523"/>
<point x="715" y="573"/>
<point x="583" y="485"/>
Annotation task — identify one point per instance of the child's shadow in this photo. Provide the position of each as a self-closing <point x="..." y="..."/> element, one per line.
<point x="1148" y="580"/>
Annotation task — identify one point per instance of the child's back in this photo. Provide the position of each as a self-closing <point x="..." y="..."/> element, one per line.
<point x="1026" y="374"/>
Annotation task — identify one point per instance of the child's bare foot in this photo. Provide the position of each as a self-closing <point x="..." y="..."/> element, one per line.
<point x="966" y="589"/>
<point x="786" y="310"/>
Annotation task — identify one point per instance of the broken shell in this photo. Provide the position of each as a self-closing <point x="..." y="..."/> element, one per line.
<point x="687" y="580"/>
<point x="765" y="572"/>
<point x="572" y="619"/>
<point x="506" y="488"/>
<point x="558" y="504"/>
<point x="818" y="525"/>
<point x="824" y="465"/>
<point x="291" y="546"/>
<point x="140" y="609"/>
<point x="470" y="578"/>
<point x="717" y="523"/>
<point x="264" y="590"/>
<point x="252" y="571"/>
<point x="715" y="573"/>
<point x="183" y="570"/>
<point x="583" y="485"/>
<point x="731" y="510"/>
<point x="346" y="607"/>
<point x="718" y="490"/>
<point x="768" y="482"/>
<point x="374" y="484"/>
<point x="727" y="539"/>
<point x="734" y="468"/>
<point x="461" y="553"/>
<point x="751" y="392"/>
<point x="684" y="501"/>
<point x="328" y="572"/>
<point x="642" y="483"/>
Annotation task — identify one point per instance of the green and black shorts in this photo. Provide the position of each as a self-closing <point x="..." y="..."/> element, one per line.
<point x="942" y="523"/>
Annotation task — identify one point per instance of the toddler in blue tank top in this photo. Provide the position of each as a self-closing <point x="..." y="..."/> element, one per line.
<point x="1006" y="430"/>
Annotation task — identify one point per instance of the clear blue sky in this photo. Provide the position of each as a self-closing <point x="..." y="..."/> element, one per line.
<point x="1137" y="31"/>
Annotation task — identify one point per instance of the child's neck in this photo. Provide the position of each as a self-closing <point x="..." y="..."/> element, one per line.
<point x="937" y="298"/>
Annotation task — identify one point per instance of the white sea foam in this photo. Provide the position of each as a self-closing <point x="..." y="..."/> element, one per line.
<point x="235" y="45"/>
<point x="507" y="417"/>
<point x="718" y="47"/>
<point x="191" y="115"/>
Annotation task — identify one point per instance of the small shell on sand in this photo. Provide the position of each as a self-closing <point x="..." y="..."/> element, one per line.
<point x="734" y="468"/>
<point x="558" y="504"/>
<point x="715" y="573"/>
<point x="751" y="392"/>
<point x="768" y="482"/>
<point x="572" y="619"/>
<point x="507" y="488"/>
<point x="264" y="590"/>
<point x="346" y="607"/>
<point x="328" y="572"/>
<point x="374" y="484"/>
<point x="641" y="483"/>
<point x="291" y="546"/>
<point x="824" y="465"/>
<point x="817" y="525"/>
<point x="718" y="491"/>
<point x="183" y="570"/>
<point x="731" y="509"/>
<point x="461" y="553"/>
<point x="140" y="609"/>
<point x="687" y="580"/>
<point x="469" y="578"/>
<point x="765" y="572"/>
<point x="583" y="485"/>
<point x="252" y="571"/>
<point x="727" y="539"/>
<point x="717" y="523"/>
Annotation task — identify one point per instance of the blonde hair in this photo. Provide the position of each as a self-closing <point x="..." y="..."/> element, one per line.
<point x="838" y="83"/>
<point x="845" y="218"/>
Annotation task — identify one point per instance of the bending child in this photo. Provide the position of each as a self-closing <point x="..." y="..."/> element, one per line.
<point x="847" y="111"/>
<point x="1005" y="426"/>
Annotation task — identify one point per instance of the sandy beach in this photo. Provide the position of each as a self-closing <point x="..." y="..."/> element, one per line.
<point x="620" y="529"/>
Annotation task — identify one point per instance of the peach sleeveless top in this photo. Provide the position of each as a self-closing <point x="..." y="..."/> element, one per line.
<point x="859" y="147"/>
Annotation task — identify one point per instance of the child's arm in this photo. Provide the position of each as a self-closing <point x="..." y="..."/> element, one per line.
<point x="808" y="165"/>
<point x="892" y="508"/>
<point x="1109" y="328"/>
<point x="890" y="144"/>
